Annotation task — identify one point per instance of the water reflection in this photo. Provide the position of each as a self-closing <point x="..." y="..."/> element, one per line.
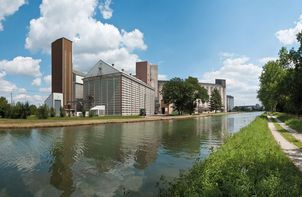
<point x="107" y="160"/>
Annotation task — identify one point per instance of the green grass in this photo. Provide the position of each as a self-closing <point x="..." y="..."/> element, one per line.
<point x="288" y="136"/>
<point x="292" y="121"/>
<point x="250" y="163"/>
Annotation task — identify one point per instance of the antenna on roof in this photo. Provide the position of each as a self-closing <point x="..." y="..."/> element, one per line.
<point x="112" y="65"/>
<point x="122" y="70"/>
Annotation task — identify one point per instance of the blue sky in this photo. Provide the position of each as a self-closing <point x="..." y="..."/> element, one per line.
<point x="229" y="39"/>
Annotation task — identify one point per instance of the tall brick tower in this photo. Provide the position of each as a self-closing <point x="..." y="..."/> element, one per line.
<point x="61" y="61"/>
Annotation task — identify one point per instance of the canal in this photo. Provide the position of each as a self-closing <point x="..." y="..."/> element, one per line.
<point x="107" y="160"/>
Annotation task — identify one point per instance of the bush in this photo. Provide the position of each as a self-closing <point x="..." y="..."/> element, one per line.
<point x="249" y="164"/>
<point x="18" y="111"/>
<point x="52" y="112"/>
<point x="62" y="112"/>
<point x="42" y="112"/>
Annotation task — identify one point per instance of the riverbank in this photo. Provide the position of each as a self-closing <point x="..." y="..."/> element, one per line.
<point x="80" y="121"/>
<point x="249" y="163"/>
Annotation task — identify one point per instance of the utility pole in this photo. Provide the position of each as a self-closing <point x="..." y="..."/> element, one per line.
<point x="11" y="98"/>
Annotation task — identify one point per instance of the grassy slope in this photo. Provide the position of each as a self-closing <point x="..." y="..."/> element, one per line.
<point x="291" y="120"/>
<point x="249" y="163"/>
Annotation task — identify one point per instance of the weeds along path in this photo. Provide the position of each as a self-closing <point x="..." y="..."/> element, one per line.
<point x="291" y="150"/>
<point x="295" y="133"/>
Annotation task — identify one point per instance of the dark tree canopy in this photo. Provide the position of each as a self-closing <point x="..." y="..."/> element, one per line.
<point x="184" y="94"/>
<point x="281" y="81"/>
<point x="215" y="100"/>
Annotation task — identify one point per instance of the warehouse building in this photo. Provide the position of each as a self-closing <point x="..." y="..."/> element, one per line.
<point x="120" y="93"/>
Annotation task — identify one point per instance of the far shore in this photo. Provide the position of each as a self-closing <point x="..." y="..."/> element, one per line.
<point x="67" y="122"/>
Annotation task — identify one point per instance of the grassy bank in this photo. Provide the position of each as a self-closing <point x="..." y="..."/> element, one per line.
<point x="289" y="137"/>
<point x="292" y="121"/>
<point x="249" y="163"/>
<point x="33" y="122"/>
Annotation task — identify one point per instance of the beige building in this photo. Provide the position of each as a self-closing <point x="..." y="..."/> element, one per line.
<point x="220" y="85"/>
<point x="119" y="92"/>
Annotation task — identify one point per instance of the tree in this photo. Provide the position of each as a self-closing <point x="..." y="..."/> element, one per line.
<point x="62" y="112"/>
<point x="194" y="93"/>
<point x="52" y="112"/>
<point x="4" y="107"/>
<point x="33" y="109"/>
<point x="215" y="101"/>
<point x="270" y="85"/>
<point x="42" y="112"/>
<point x="174" y="92"/>
<point x="184" y="94"/>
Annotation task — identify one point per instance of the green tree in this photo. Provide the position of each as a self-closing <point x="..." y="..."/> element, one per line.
<point x="194" y="93"/>
<point x="62" y="112"/>
<point x="270" y="85"/>
<point x="4" y="107"/>
<point x="42" y="112"/>
<point x="174" y="93"/>
<point x="33" y="109"/>
<point x="52" y="112"/>
<point x="215" y="101"/>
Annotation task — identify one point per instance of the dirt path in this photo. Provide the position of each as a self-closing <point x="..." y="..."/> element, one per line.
<point x="292" y="151"/>
<point x="296" y="134"/>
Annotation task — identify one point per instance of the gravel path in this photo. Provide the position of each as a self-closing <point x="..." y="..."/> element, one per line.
<point x="287" y="128"/>
<point x="291" y="150"/>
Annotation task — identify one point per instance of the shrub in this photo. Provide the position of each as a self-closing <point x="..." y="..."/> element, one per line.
<point x="62" y="112"/>
<point x="42" y="112"/>
<point x="52" y="112"/>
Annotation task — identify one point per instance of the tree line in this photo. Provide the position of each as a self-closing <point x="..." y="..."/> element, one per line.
<point x="186" y="94"/>
<point x="24" y="110"/>
<point x="281" y="81"/>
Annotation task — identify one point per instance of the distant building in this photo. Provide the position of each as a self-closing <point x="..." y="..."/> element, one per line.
<point x="78" y="89"/>
<point x="230" y="103"/>
<point x="220" y="85"/>
<point x="148" y="73"/>
<point x="119" y="92"/>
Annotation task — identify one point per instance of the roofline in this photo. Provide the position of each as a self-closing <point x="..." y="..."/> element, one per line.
<point x="62" y="38"/>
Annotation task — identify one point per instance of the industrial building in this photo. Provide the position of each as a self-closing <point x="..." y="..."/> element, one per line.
<point x="230" y="103"/>
<point x="220" y="85"/>
<point x="119" y="92"/>
<point x="111" y="91"/>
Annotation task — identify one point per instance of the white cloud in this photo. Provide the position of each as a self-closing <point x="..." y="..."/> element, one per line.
<point x="134" y="40"/>
<point x="6" y="86"/>
<point x="92" y="39"/>
<point x="267" y="59"/>
<point x="162" y="77"/>
<point x="36" y="82"/>
<point x="45" y="90"/>
<point x="9" y="7"/>
<point x="105" y="9"/>
<point x="47" y="79"/>
<point x="288" y="36"/>
<point x="32" y="99"/>
<point x="241" y="77"/>
<point x="21" y="66"/>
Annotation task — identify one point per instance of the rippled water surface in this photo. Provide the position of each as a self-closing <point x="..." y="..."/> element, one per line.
<point x="107" y="160"/>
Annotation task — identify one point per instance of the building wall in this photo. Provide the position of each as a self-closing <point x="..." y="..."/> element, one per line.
<point x="61" y="60"/>
<point x="143" y="71"/>
<point x="136" y="96"/>
<point x="106" y="90"/>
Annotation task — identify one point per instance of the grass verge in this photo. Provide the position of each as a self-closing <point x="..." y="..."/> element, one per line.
<point x="288" y="136"/>
<point x="250" y="163"/>
<point x="292" y="121"/>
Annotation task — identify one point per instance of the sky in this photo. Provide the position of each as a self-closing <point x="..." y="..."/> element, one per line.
<point x="229" y="39"/>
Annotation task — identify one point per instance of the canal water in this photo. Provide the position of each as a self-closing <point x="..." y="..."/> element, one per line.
<point x="107" y="160"/>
